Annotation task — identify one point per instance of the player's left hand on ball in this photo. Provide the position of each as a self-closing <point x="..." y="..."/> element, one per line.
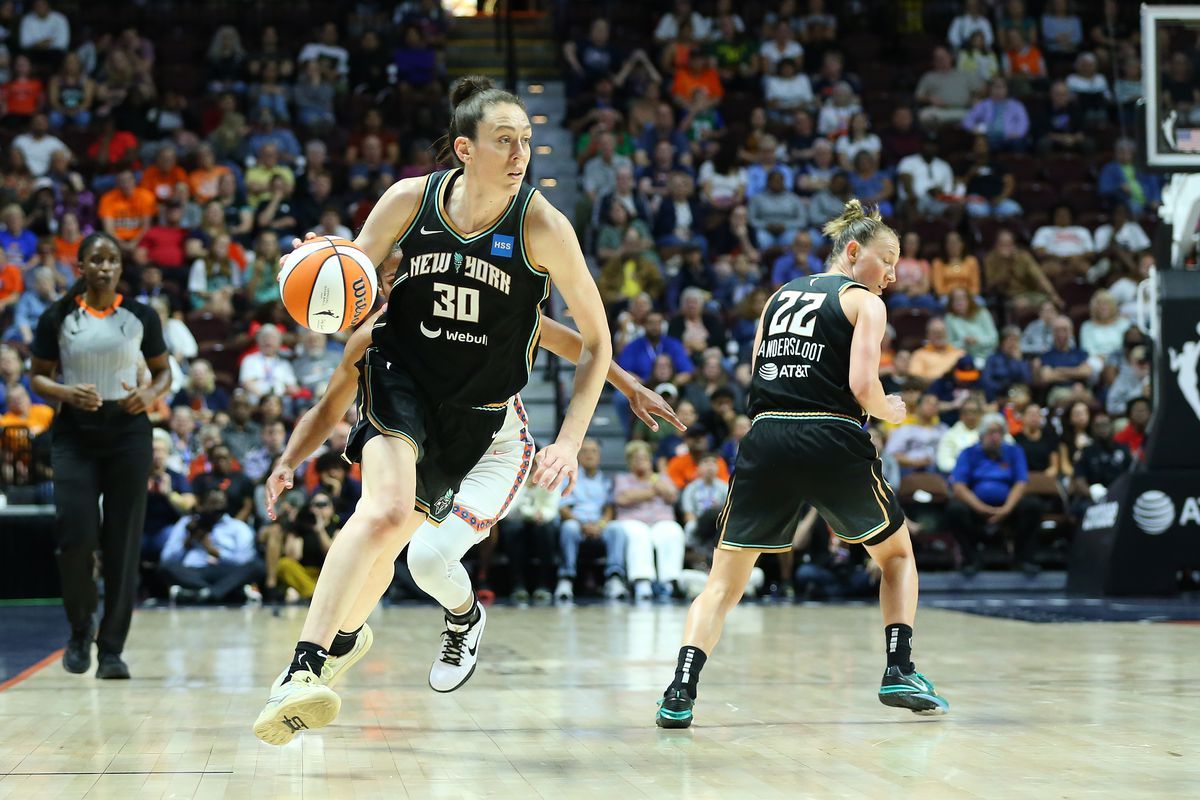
<point x="647" y="405"/>
<point x="555" y="464"/>
<point x="296" y="242"/>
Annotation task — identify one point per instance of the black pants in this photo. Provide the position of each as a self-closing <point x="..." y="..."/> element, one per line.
<point x="531" y="550"/>
<point x="222" y="580"/>
<point x="968" y="527"/>
<point x="103" y="454"/>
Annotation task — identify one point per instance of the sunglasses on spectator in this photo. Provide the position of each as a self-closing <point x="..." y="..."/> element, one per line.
<point x="322" y="504"/>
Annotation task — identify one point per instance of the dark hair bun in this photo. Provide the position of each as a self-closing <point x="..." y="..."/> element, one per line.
<point x="467" y="87"/>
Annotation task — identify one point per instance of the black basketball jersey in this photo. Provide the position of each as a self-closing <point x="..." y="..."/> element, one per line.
<point x="464" y="314"/>
<point x="803" y="360"/>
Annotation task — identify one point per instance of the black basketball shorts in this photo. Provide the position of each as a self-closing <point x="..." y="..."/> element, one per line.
<point x="789" y="459"/>
<point x="449" y="440"/>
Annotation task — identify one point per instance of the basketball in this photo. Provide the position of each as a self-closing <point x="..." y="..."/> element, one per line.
<point x="328" y="284"/>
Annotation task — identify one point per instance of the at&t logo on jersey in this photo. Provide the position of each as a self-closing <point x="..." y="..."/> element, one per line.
<point x="502" y="245"/>
<point x="769" y="372"/>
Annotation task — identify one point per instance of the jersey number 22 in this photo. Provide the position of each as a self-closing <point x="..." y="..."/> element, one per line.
<point x="799" y="322"/>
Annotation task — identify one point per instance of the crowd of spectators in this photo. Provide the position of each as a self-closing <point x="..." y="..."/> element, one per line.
<point x="711" y="146"/>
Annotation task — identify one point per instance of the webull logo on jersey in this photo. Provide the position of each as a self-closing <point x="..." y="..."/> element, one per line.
<point x="467" y="338"/>
<point x="769" y="371"/>
<point x="502" y="246"/>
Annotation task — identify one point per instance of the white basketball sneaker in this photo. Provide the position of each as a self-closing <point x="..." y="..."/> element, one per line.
<point x="301" y="704"/>
<point x="565" y="591"/>
<point x="460" y="648"/>
<point x="336" y="665"/>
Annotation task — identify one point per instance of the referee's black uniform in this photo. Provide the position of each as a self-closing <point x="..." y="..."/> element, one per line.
<point x="103" y="453"/>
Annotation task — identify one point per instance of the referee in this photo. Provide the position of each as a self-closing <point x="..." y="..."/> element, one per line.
<point x="101" y="445"/>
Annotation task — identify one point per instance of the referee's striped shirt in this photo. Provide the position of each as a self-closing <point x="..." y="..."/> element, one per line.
<point x="101" y="347"/>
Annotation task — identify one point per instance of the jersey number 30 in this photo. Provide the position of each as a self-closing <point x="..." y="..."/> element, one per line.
<point x="456" y="302"/>
<point x="799" y="322"/>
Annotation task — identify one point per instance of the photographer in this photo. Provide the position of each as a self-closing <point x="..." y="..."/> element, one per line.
<point x="210" y="556"/>
<point x="307" y="542"/>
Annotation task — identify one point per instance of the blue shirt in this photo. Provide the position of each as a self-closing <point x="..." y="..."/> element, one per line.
<point x="589" y="497"/>
<point x="24" y="245"/>
<point x="757" y="175"/>
<point x="638" y="356"/>
<point x="1002" y="371"/>
<point x="786" y="268"/>
<point x="991" y="480"/>
<point x="233" y="539"/>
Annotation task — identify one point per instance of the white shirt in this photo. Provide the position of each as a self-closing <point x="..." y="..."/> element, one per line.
<point x="37" y="152"/>
<point x="788" y="93"/>
<point x="925" y="176"/>
<point x="1074" y="240"/>
<point x="683" y="216"/>
<point x="668" y="28"/>
<point x="964" y="26"/>
<point x="868" y="144"/>
<point x="314" y="50"/>
<point x="1097" y="84"/>
<point x="722" y="187"/>
<point x="260" y="375"/>
<point x="54" y="27"/>
<point x="773" y="55"/>
<point x="1131" y="236"/>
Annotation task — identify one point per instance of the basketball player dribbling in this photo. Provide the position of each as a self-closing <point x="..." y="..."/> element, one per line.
<point x="815" y="380"/>
<point x="488" y="493"/>
<point x="453" y="347"/>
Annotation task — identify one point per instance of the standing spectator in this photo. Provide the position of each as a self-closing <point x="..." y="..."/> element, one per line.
<point x="126" y="211"/>
<point x="969" y="23"/>
<point x="990" y="186"/>
<point x="960" y="436"/>
<point x="209" y="557"/>
<point x="969" y="326"/>
<point x="1039" y="443"/>
<point x="587" y="512"/>
<point x="643" y="502"/>
<point x="1120" y="181"/>
<point x="1002" y="119"/>
<point x="777" y="214"/>
<point x="955" y="268"/>
<point x="101" y="446"/>
<point x="1065" y="249"/>
<point x="1013" y="274"/>
<point x="266" y="371"/>
<point x="988" y="483"/>
<point x="38" y="145"/>
<point x="914" y="444"/>
<point x="530" y="538"/>
<point x="912" y="288"/>
<point x="943" y="92"/>
<point x="1062" y="31"/>
<point x="937" y="356"/>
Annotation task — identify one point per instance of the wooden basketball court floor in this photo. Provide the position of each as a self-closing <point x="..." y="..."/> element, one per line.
<point x="563" y="701"/>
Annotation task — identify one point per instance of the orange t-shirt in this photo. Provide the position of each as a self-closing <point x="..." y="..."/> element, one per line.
<point x="162" y="184"/>
<point x="1028" y="63"/>
<point x="204" y="182"/>
<point x="683" y="469"/>
<point x="687" y="82"/>
<point x="38" y="420"/>
<point x="127" y="213"/>
<point x="67" y="252"/>
<point x="23" y="97"/>
<point x="12" y="282"/>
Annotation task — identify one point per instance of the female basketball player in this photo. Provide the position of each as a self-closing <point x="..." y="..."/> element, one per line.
<point x="481" y="247"/>
<point x="816" y="376"/>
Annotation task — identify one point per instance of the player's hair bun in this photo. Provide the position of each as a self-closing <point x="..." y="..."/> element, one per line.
<point x="851" y="213"/>
<point x="467" y="87"/>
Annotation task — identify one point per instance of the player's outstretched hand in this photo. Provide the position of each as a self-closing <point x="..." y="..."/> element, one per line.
<point x="279" y="481"/>
<point x="555" y="464"/>
<point x="896" y="409"/>
<point x="648" y="404"/>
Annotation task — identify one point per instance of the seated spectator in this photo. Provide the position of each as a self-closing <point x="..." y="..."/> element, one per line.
<point x="1121" y="182"/>
<point x="224" y="473"/>
<point x="978" y="60"/>
<point x="309" y="538"/>
<point x="1121" y="242"/>
<point x="1076" y="427"/>
<point x="260" y="176"/>
<point x="260" y="278"/>
<point x="829" y="203"/>
<point x="326" y="50"/>
<point x="1065" y="249"/>
<point x="869" y="184"/>
<point x="32" y="303"/>
<point x="973" y="20"/>
<point x="1000" y="118"/>
<point x="736" y="53"/>
<point x="315" y="361"/>
<point x="1063" y="364"/>
<point x="959" y="436"/>
<point x="1100" y="462"/>
<point x="214" y="278"/>
<point x="702" y="499"/>
<point x="24" y="95"/>
<point x="530" y="537"/>
<point x="1022" y="63"/>
<point x="912" y="288"/>
<point x="679" y="220"/>
<point x="817" y="175"/>
<point x="955" y="268"/>
<point x="699" y="74"/>
<point x="914" y="444"/>
<point x="257" y="462"/>
<point x="161" y="177"/>
<point x="663" y="129"/>
<point x="587" y="512"/>
<point x="722" y="182"/>
<point x="12" y="284"/>
<point x="1133" y="435"/>
<point x="990" y="186"/>
<point x="631" y="268"/>
<point x="127" y="211"/>
<point x="969" y="326"/>
<point x="927" y="182"/>
<point x="936" y="357"/>
<point x="1038" y="336"/>
<point x="24" y="413"/>
<point x="169" y="497"/>
<point x="38" y="146"/>
<point x="956" y="387"/>
<point x="683" y="468"/>
<point x="801" y="136"/>
<point x="1039" y="443"/>
<point x="71" y="95"/>
<point x="777" y="214"/>
<point x="786" y="91"/>
<point x="591" y="58"/>
<point x="1013" y="274"/>
<point x="277" y="213"/>
<point x="164" y="241"/>
<point x="1103" y="333"/>
<point x="901" y="140"/>
<point x="834" y="119"/>
<point x="988" y="483"/>
<point x="943" y="93"/>
<point x="643" y="502"/>
<point x="1062" y="31"/>
<point x="201" y="393"/>
<point x="1090" y="89"/>
<point x="1060" y="127"/>
<point x="799" y="261"/>
<point x="1132" y="381"/>
<point x="266" y="372"/>
<point x="1006" y="366"/>
<point x="181" y="344"/>
<point x="767" y="162"/>
<point x="313" y="97"/>
<point x="624" y="193"/>
<point x="781" y="47"/>
<point x="697" y="328"/>
<point x="209" y="556"/>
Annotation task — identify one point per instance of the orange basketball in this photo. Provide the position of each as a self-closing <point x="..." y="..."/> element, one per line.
<point x="328" y="284"/>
